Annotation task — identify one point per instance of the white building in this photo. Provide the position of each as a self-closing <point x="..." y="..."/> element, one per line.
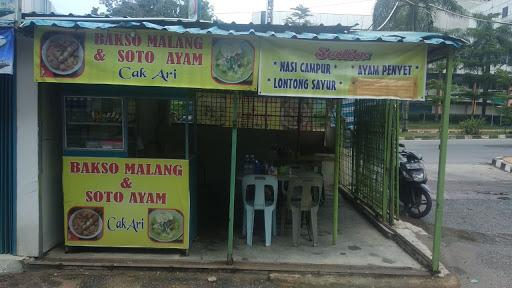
<point x="8" y="7"/>
<point x="39" y="6"/>
<point x="327" y="19"/>
<point x="502" y="8"/>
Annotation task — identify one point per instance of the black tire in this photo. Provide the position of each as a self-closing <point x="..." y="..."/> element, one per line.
<point x="421" y="203"/>
<point x="322" y="198"/>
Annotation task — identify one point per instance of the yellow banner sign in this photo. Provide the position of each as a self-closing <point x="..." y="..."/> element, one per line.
<point x="123" y="202"/>
<point x="342" y="69"/>
<point x="145" y="58"/>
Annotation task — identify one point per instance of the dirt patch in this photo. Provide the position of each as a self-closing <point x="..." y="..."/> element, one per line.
<point x="128" y="279"/>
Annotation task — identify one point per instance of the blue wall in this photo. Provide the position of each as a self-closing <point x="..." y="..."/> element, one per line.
<point x="7" y="163"/>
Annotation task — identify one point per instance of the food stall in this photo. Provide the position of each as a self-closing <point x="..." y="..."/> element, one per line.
<point x="139" y="100"/>
<point x="117" y="191"/>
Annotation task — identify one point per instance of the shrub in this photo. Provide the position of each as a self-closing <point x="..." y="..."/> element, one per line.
<point x="471" y="126"/>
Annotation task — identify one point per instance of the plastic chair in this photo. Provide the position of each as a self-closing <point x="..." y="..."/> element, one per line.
<point x="260" y="182"/>
<point x="304" y="195"/>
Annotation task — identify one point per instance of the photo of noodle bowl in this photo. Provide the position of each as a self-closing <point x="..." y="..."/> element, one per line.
<point x="62" y="54"/>
<point x="85" y="223"/>
<point x="233" y="60"/>
<point x="165" y="225"/>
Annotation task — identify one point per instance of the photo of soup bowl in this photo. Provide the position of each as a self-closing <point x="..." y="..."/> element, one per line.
<point x="62" y="54"/>
<point x="232" y="60"/>
<point x="165" y="225"/>
<point x="85" y="223"/>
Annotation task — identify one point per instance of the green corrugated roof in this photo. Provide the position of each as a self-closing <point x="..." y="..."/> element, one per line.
<point x="257" y="30"/>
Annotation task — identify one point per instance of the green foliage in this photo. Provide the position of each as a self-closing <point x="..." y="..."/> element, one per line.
<point x="155" y="8"/>
<point x="299" y="16"/>
<point x="503" y="78"/>
<point x="472" y="126"/>
<point x="95" y="11"/>
<point x="489" y="46"/>
<point x="506" y="114"/>
<point x="419" y="17"/>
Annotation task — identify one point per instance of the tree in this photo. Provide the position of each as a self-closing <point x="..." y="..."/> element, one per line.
<point x="488" y="50"/>
<point x="506" y="114"/>
<point x="412" y="15"/>
<point x="155" y="8"/>
<point x="299" y="16"/>
<point x="504" y="80"/>
<point x="437" y="99"/>
<point x="95" y="11"/>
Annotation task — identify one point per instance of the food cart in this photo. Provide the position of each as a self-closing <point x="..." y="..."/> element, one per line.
<point x="148" y="109"/>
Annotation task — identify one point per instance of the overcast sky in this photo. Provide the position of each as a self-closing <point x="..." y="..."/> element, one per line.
<point x="240" y="11"/>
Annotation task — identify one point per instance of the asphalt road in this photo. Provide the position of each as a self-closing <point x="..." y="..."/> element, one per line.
<point x="477" y="229"/>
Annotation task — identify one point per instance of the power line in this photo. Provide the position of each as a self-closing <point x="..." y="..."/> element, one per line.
<point x="387" y="19"/>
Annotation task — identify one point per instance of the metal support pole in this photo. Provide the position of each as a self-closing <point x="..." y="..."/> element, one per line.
<point x="299" y="127"/>
<point x="335" y="193"/>
<point x="187" y="130"/>
<point x="234" y="135"/>
<point x="442" y="165"/>
<point x="387" y="149"/>
<point x="397" y="157"/>
<point x="194" y="106"/>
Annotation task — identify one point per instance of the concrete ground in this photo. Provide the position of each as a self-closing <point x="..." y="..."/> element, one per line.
<point x="359" y="245"/>
<point x="10" y="263"/>
<point x="367" y="259"/>
<point x="477" y="235"/>
<point x="154" y="279"/>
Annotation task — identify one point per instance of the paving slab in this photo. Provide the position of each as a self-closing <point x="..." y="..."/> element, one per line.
<point x="10" y="263"/>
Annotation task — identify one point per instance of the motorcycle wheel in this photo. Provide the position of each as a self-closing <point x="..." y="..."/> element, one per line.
<point x="322" y="199"/>
<point x="421" y="203"/>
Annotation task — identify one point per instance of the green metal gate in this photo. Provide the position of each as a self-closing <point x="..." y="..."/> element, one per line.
<point x="370" y="158"/>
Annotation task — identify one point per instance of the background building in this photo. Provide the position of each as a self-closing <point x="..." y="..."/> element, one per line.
<point x="39" y="6"/>
<point x="364" y="21"/>
<point x="447" y="21"/>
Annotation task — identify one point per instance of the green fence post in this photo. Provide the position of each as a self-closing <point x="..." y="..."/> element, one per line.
<point x="386" y="166"/>
<point x="442" y="165"/>
<point x="187" y="130"/>
<point x="397" y="157"/>
<point x="234" y="135"/>
<point x="336" y="174"/>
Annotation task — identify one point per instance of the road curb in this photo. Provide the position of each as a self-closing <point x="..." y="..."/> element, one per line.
<point x="499" y="163"/>
<point x="308" y="280"/>
<point x="466" y="137"/>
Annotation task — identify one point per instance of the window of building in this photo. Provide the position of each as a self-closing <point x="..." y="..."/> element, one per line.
<point x="504" y="12"/>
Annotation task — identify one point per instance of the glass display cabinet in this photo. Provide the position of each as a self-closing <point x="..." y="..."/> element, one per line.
<point x="95" y="126"/>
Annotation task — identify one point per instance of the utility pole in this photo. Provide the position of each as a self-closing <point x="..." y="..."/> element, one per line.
<point x="270" y="12"/>
<point x="405" y="106"/>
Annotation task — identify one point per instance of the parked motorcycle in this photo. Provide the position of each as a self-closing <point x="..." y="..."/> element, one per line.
<point x="414" y="193"/>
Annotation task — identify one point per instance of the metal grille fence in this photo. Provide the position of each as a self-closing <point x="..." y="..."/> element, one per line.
<point x="269" y="113"/>
<point x="369" y="157"/>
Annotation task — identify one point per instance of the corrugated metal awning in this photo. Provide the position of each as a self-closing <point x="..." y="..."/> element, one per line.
<point x="432" y="39"/>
